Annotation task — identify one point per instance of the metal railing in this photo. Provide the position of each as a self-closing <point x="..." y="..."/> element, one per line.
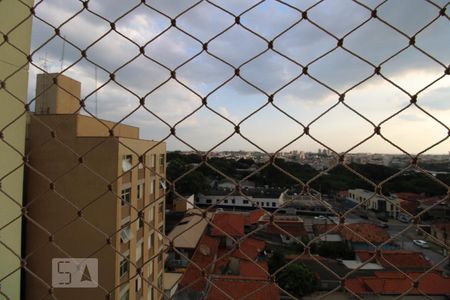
<point x="230" y="42"/>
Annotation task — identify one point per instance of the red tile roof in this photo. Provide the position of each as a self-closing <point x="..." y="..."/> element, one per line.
<point x="238" y="288"/>
<point x="254" y="269"/>
<point x="410" y="206"/>
<point x="296" y="230"/>
<point x="399" y="258"/>
<point x="356" y="232"/>
<point x="193" y="274"/>
<point x="249" y="248"/>
<point x="395" y="283"/>
<point x="408" y="196"/>
<point x="431" y="201"/>
<point x="253" y="216"/>
<point x="229" y="223"/>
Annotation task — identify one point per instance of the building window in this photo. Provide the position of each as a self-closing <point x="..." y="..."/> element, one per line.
<point x="152" y="215"/>
<point x="125" y="234"/>
<point x="138" y="283"/>
<point x="150" y="293"/>
<point x="140" y="222"/>
<point x="125" y="295"/>
<point x="141" y="164"/>
<point x="162" y="161"/>
<point x="126" y="163"/>
<point x="151" y="242"/>
<point x="162" y="183"/>
<point x="152" y="186"/>
<point x="225" y="201"/>
<point x="245" y="201"/>
<point x="139" y="248"/>
<point x="208" y="201"/>
<point x="124" y="265"/>
<point x="126" y="196"/>
<point x="274" y="204"/>
<point x="140" y="190"/>
<point x="150" y="267"/>
<point x="153" y="162"/>
<point x="233" y="201"/>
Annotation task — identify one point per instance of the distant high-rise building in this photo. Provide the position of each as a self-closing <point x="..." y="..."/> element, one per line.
<point x="94" y="190"/>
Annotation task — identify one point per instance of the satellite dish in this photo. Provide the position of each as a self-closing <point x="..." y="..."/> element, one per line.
<point x="204" y="249"/>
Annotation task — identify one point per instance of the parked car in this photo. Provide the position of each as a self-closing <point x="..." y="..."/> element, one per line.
<point x="363" y="215"/>
<point x="382" y="224"/>
<point x="404" y="218"/>
<point x="382" y="217"/>
<point x="421" y="243"/>
<point x="320" y="217"/>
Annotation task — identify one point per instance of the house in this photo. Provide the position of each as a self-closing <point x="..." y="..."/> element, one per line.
<point x="224" y="288"/>
<point x="327" y="271"/>
<point x="185" y="237"/>
<point x="224" y="263"/>
<point x="360" y="236"/>
<point x="257" y="198"/>
<point x="370" y="200"/>
<point x="183" y="204"/>
<point x="437" y="207"/>
<point x="392" y="284"/>
<point x="395" y="259"/>
<point x="288" y="228"/>
<point x="441" y="231"/>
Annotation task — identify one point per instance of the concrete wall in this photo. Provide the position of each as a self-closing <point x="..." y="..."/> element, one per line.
<point x="11" y="14"/>
<point x="88" y="126"/>
<point x="54" y="211"/>
<point x="62" y="97"/>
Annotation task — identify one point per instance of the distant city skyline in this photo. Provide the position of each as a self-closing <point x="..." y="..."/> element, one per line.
<point x="304" y="99"/>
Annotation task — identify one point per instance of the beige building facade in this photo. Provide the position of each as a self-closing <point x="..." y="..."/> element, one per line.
<point x="13" y="96"/>
<point x="94" y="190"/>
<point x="370" y="200"/>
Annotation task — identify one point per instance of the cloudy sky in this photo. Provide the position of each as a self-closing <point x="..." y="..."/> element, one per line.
<point x="297" y="99"/>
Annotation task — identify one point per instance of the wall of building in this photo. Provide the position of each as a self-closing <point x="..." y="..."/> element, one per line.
<point x="88" y="126"/>
<point x="54" y="209"/>
<point x="372" y="201"/>
<point x="152" y="204"/>
<point x="237" y="201"/>
<point x="59" y="185"/>
<point x="51" y="87"/>
<point x="11" y="14"/>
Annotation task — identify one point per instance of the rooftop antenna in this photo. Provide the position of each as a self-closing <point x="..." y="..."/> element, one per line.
<point x="63" y="52"/>
<point x="43" y="62"/>
<point x="96" y="93"/>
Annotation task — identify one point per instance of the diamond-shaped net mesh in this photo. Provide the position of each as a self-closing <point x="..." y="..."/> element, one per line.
<point x="213" y="221"/>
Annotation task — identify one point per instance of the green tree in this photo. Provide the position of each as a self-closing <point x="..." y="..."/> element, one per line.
<point x="276" y="261"/>
<point x="297" y="280"/>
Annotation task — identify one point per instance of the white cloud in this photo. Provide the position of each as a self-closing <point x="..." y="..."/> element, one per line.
<point x="304" y="99"/>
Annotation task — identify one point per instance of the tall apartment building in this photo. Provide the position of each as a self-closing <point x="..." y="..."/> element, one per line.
<point x="90" y="196"/>
<point x="13" y="96"/>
